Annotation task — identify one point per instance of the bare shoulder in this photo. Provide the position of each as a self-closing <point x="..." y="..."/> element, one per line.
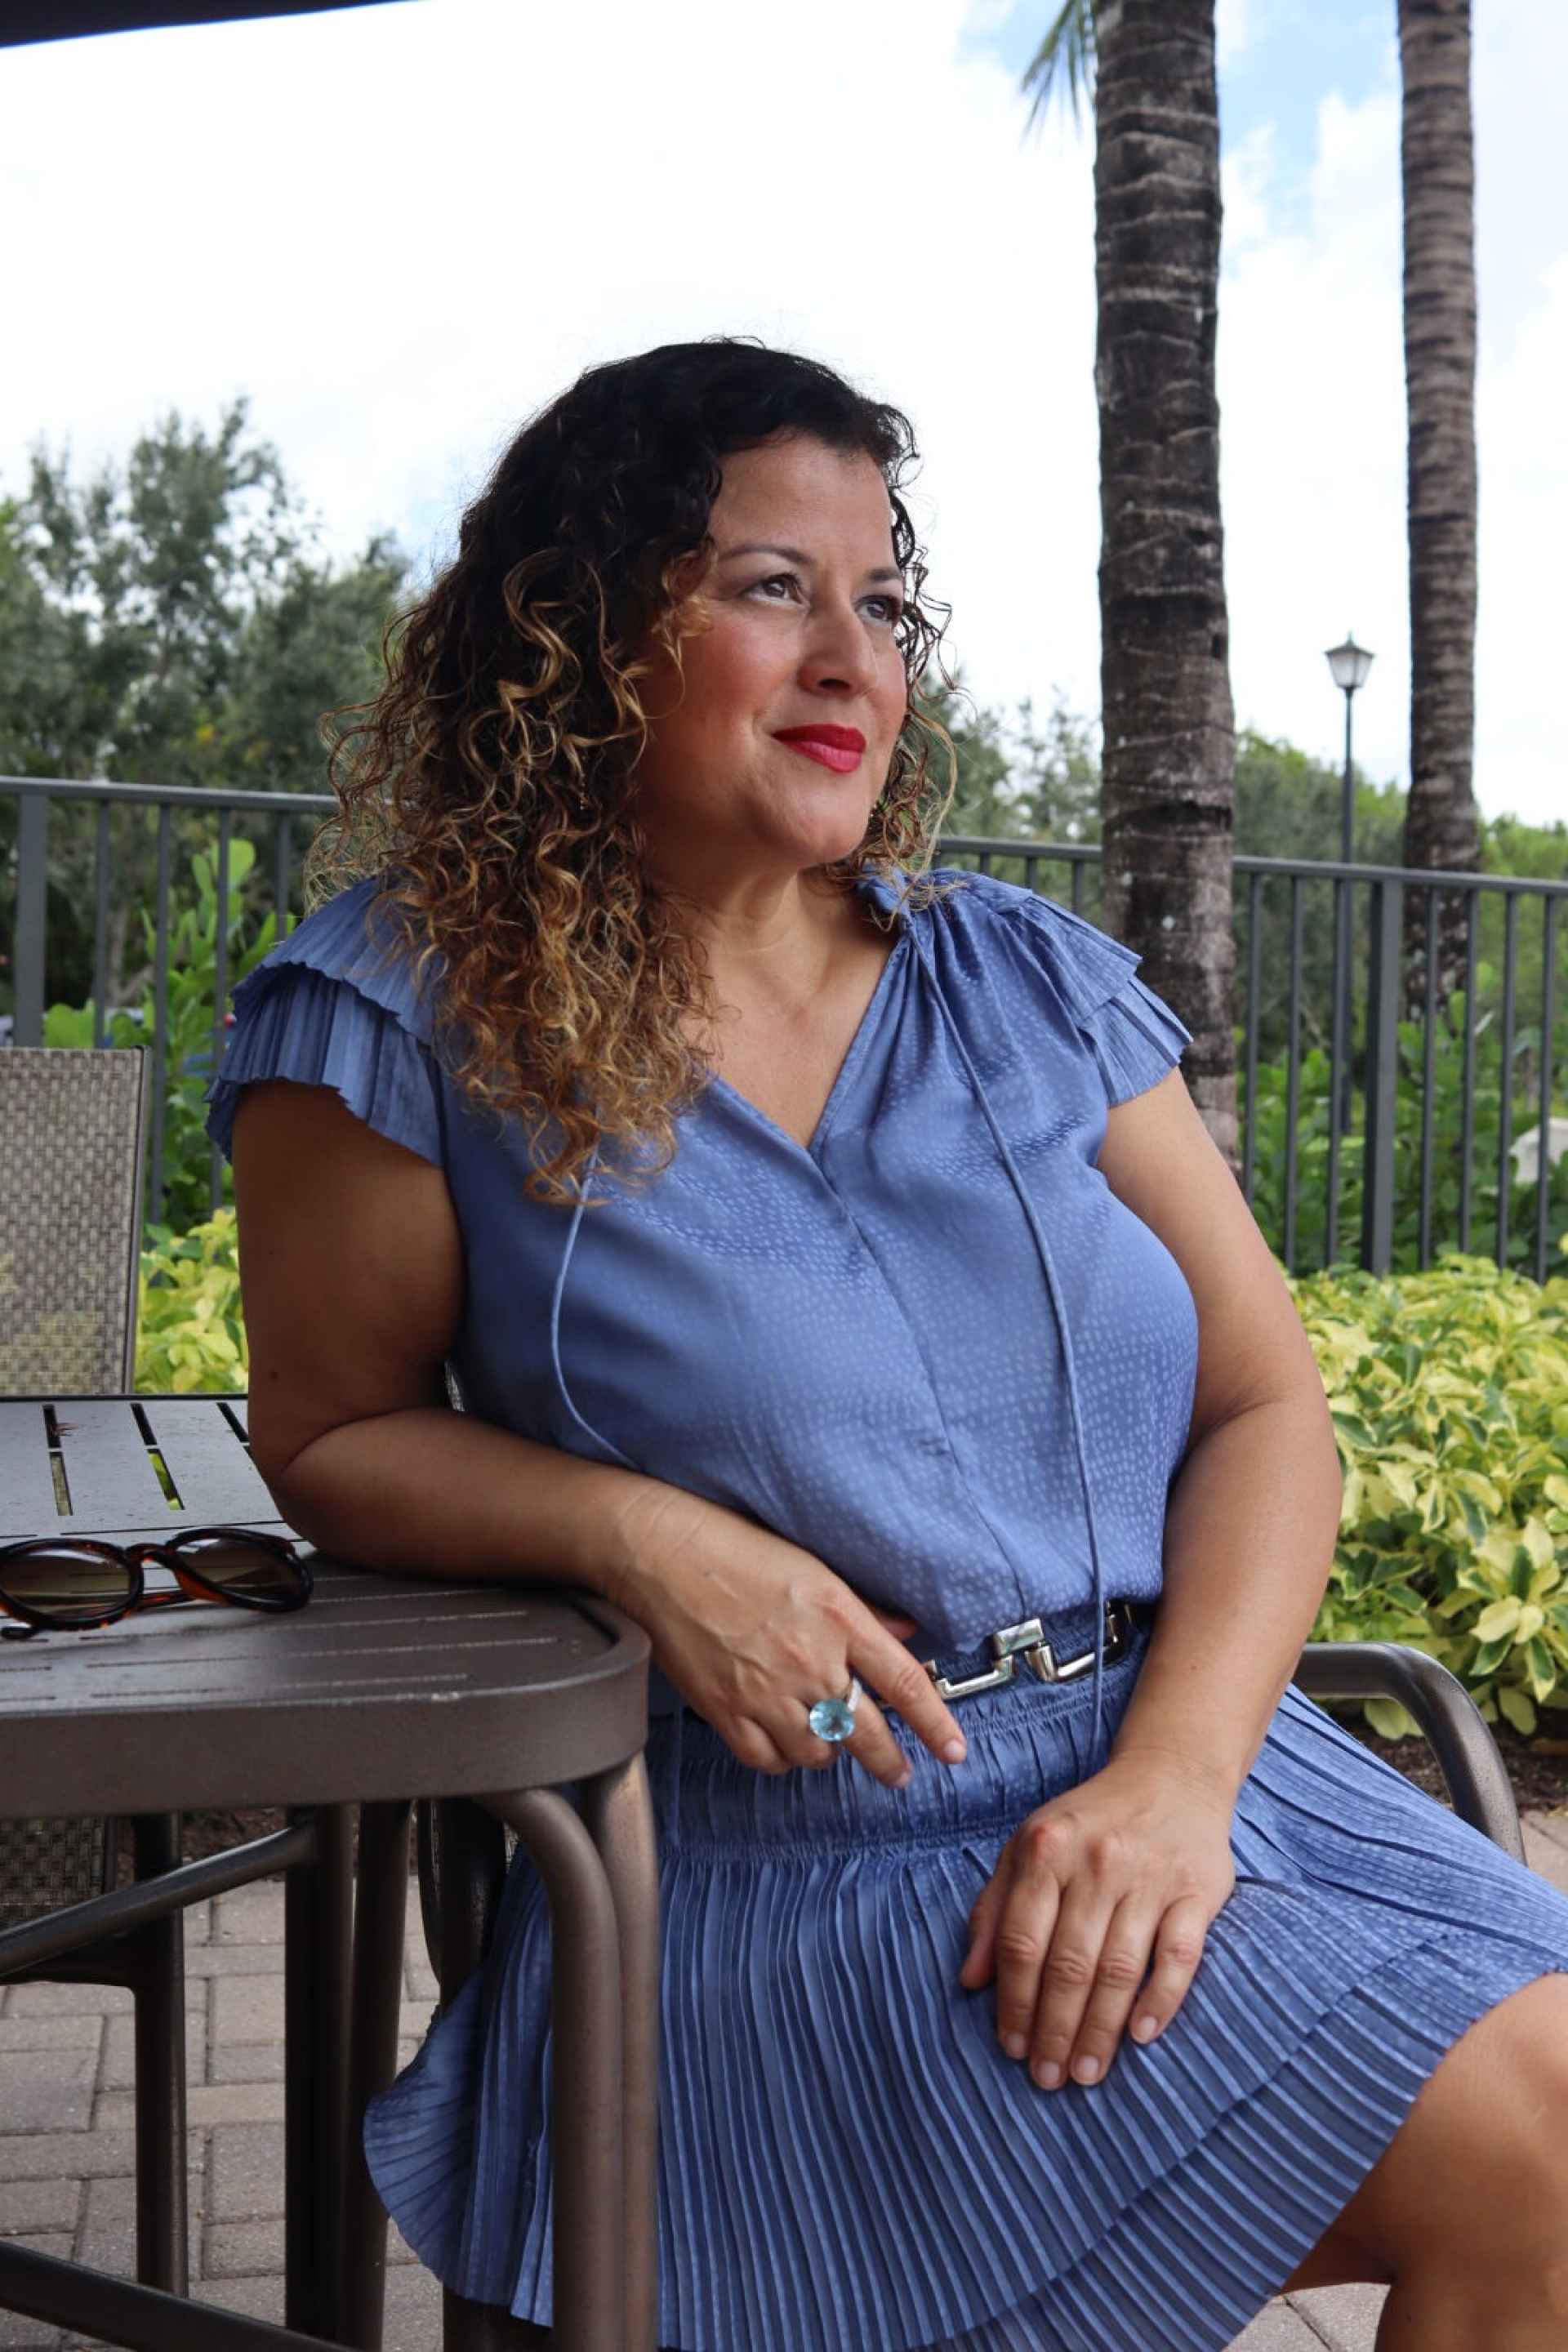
<point x="1161" y="1163"/>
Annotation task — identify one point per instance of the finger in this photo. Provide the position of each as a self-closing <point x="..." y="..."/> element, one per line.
<point x="902" y="1684"/>
<point x="870" y="1746"/>
<point x="1178" y="1949"/>
<point x="1066" y="1979"/>
<point x="1118" y="1972"/>
<point x="981" y="1957"/>
<point x="752" y="1743"/>
<point x="1026" y="1925"/>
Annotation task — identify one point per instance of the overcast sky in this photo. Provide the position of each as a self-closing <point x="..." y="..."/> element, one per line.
<point x="400" y="230"/>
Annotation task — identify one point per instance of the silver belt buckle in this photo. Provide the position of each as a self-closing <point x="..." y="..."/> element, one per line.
<point x="1027" y="1640"/>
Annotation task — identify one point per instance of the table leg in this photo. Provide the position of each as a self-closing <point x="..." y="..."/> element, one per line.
<point x="316" y="1896"/>
<point x="162" y="2233"/>
<point x="380" y="1912"/>
<point x="587" y="2175"/>
<point x="618" y="1811"/>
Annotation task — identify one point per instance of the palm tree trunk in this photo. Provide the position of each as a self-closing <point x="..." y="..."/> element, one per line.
<point x="1169" y="756"/>
<point x="1437" y="161"/>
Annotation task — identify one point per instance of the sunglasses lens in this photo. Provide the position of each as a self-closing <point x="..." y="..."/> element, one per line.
<point x="242" y="1570"/>
<point x="71" y="1584"/>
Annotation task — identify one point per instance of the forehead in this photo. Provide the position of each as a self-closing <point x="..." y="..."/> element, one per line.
<point x="802" y="490"/>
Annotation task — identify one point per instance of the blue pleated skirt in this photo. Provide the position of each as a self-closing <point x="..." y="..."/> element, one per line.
<point x="846" y="2156"/>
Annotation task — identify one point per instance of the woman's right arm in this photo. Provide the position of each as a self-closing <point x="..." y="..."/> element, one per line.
<point x="352" y="1276"/>
<point x="352" y="1273"/>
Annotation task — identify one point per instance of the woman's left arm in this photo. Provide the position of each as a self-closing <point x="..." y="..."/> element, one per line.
<point x="1103" y="1898"/>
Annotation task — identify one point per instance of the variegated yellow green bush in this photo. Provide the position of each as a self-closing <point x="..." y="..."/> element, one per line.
<point x="190" y="1333"/>
<point x="1449" y="1397"/>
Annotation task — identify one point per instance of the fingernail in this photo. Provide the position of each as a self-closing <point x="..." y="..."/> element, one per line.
<point x="905" y="1777"/>
<point x="955" y="1751"/>
<point x="1014" y="2044"/>
<point x="1047" y="2074"/>
<point x="1086" y="2070"/>
<point x="1144" y="2029"/>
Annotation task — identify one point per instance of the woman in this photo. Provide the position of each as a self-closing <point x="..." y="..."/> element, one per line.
<point x="840" y="1279"/>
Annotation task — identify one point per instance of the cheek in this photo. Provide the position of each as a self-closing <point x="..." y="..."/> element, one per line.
<point x="893" y="689"/>
<point x="742" y="641"/>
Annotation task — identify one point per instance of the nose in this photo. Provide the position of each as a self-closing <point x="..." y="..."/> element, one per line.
<point x="839" y="650"/>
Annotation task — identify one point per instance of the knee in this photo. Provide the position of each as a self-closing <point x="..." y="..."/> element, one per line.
<point x="1496" y="2198"/>
<point x="1476" y="2177"/>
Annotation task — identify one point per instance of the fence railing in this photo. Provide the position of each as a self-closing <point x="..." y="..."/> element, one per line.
<point x="1433" y="1154"/>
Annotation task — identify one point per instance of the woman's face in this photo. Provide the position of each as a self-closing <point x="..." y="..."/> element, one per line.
<point x="799" y="603"/>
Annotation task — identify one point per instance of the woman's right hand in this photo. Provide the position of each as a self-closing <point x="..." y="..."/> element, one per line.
<point x="752" y="1631"/>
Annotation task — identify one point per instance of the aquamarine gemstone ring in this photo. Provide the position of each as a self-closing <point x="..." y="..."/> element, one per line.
<point x="833" y="1718"/>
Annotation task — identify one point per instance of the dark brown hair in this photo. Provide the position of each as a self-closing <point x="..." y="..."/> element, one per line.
<point x="489" y="782"/>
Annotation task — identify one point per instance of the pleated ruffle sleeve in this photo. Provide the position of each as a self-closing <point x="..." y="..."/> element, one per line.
<point x="1133" y="1036"/>
<point x="334" y="1006"/>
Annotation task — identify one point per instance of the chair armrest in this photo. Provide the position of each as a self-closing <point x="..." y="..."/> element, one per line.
<point x="1468" y="1755"/>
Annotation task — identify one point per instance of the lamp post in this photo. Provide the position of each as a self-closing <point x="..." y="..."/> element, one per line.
<point x="1349" y="665"/>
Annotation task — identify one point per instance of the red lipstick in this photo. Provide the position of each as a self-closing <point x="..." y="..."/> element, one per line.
<point x="838" y="748"/>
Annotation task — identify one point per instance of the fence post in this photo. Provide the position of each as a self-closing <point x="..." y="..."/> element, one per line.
<point x="28" y="939"/>
<point x="1381" y="1076"/>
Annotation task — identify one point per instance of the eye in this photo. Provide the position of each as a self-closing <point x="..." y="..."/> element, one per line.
<point x="893" y="606"/>
<point x="775" y="580"/>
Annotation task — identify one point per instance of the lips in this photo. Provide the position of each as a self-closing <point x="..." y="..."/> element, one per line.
<point x="838" y="748"/>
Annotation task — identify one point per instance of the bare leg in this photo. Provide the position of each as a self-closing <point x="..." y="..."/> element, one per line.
<point x="1464" y="2215"/>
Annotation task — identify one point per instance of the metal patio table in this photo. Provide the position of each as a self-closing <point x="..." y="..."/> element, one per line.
<point x="381" y="1691"/>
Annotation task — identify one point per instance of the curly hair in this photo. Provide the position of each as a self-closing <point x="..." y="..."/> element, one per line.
<point x="489" y="783"/>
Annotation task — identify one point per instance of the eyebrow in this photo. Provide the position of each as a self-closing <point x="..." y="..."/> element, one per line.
<point x="797" y="555"/>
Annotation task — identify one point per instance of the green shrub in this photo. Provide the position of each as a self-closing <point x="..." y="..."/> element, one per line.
<point x="1449" y="1396"/>
<point x="190" y="1333"/>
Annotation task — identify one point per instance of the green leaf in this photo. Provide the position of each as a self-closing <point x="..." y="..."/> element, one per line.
<point x="1519" y="1709"/>
<point x="1498" y="1621"/>
<point x="1389" y="1720"/>
<point x="1543" y="1670"/>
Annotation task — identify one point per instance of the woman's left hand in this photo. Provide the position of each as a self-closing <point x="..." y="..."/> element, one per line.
<point x="1098" y="1912"/>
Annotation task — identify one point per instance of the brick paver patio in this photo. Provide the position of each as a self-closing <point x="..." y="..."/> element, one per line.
<point x="66" y="2149"/>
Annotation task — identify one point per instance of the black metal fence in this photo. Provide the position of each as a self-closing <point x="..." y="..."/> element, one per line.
<point x="1366" y="1138"/>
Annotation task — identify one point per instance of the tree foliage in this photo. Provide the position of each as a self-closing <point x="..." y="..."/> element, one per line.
<point x="169" y="620"/>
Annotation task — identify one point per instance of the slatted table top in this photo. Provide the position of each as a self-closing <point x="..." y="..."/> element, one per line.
<point x="381" y="1687"/>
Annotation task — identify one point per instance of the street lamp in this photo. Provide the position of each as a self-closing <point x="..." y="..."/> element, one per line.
<point x="1349" y="665"/>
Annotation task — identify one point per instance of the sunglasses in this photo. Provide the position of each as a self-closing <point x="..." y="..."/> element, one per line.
<point x="55" y="1582"/>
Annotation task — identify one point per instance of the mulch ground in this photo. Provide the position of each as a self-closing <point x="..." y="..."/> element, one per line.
<point x="1538" y="1769"/>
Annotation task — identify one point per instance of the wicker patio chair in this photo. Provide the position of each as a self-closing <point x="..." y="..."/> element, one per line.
<point x="72" y="1130"/>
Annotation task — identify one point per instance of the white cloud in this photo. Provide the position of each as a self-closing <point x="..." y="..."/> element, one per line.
<point x="402" y="229"/>
<point x="1237" y="28"/>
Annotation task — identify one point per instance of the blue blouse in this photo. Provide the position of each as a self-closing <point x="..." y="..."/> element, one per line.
<point x="932" y="1347"/>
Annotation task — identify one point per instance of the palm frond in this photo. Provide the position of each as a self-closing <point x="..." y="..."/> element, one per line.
<point x="1067" y="54"/>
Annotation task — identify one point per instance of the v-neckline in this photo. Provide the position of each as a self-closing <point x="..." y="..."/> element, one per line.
<point x="870" y="885"/>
